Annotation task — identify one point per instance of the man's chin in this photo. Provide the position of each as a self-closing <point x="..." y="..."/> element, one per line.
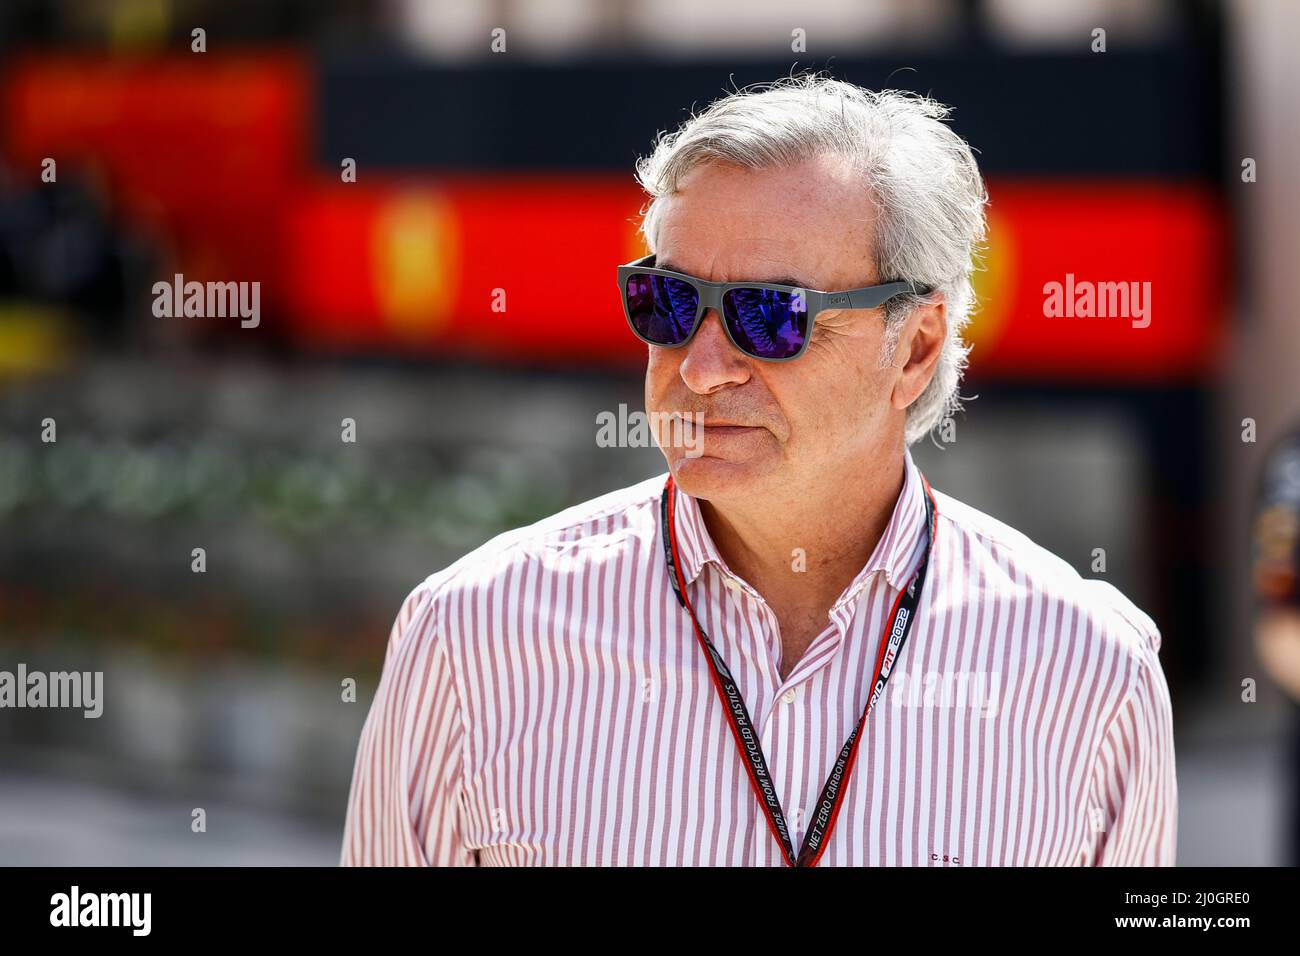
<point x="716" y="478"/>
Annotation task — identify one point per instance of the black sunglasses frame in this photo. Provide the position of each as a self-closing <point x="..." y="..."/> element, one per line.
<point x="710" y="296"/>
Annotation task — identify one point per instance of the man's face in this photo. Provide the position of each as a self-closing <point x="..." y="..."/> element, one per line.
<point x="810" y="225"/>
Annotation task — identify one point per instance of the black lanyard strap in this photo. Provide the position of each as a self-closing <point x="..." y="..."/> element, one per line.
<point x="897" y="627"/>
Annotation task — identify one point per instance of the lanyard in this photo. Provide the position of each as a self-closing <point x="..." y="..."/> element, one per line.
<point x="742" y="728"/>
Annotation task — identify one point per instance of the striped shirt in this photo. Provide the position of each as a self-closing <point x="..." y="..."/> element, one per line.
<point x="544" y="702"/>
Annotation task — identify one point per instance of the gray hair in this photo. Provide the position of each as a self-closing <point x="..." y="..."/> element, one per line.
<point x="921" y="176"/>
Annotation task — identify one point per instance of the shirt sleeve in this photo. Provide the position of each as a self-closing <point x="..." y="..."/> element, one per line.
<point x="405" y="807"/>
<point x="1134" y="787"/>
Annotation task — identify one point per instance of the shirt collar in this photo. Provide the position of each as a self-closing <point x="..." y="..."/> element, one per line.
<point x="895" y="553"/>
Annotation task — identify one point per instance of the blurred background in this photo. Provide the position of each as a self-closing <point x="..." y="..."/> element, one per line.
<point x="492" y="142"/>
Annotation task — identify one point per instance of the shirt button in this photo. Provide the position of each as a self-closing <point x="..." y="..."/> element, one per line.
<point x="789" y="696"/>
<point x="733" y="584"/>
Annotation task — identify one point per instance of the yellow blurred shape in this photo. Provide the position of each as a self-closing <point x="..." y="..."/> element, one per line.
<point x="32" y="339"/>
<point x="992" y="283"/>
<point x="413" y="246"/>
<point x="135" y="23"/>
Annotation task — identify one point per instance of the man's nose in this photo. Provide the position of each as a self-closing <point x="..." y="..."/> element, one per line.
<point x="712" y="362"/>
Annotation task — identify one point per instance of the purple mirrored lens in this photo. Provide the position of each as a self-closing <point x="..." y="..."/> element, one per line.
<point x="765" y="322"/>
<point x="662" y="308"/>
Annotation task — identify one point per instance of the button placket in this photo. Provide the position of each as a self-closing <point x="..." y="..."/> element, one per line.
<point x="759" y="699"/>
<point x="765" y="842"/>
<point x="739" y="646"/>
<point x="779" y="702"/>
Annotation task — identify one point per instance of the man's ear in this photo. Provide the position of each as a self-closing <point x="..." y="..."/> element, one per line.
<point x="916" y="356"/>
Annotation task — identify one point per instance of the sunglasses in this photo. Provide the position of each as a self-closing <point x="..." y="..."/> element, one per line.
<point x="764" y="320"/>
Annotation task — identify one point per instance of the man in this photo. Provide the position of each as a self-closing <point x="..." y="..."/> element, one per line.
<point x="789" y="650"/>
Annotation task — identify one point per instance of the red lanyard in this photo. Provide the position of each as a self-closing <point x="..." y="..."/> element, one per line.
<point x="742" y="728"/>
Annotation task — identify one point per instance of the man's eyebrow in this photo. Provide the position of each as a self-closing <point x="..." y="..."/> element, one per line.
<point x="783" y="281"/>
